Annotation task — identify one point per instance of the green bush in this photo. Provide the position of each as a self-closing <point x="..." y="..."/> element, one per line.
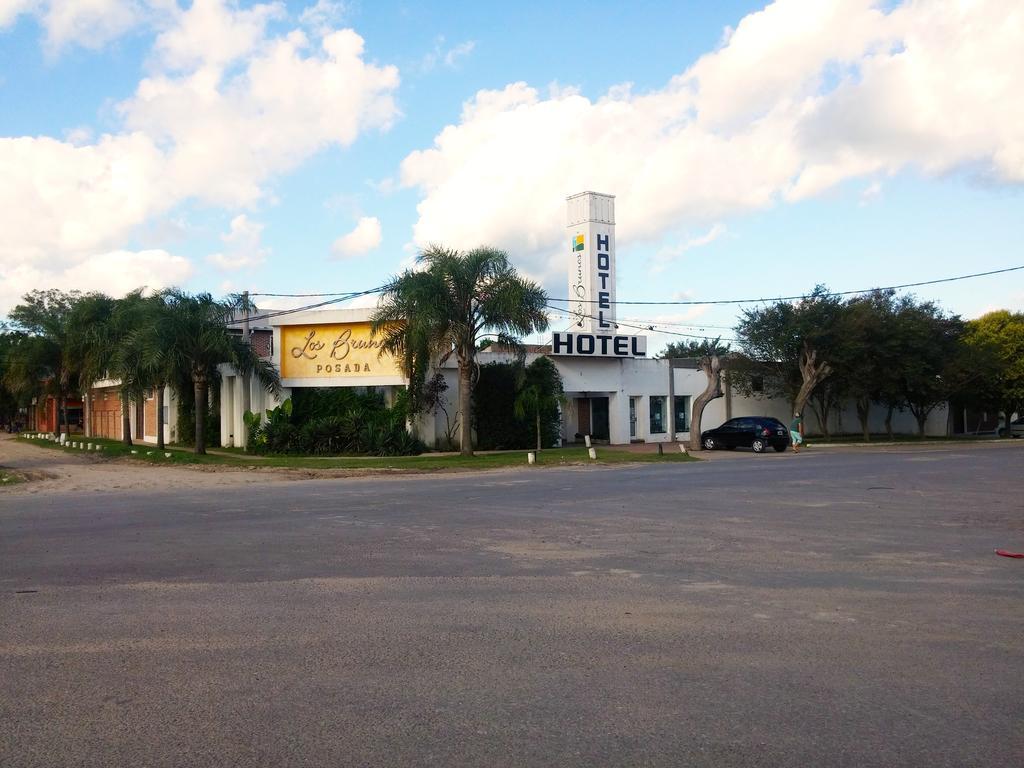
<point x="332" y="422"/>
<point x="494" y="397"/>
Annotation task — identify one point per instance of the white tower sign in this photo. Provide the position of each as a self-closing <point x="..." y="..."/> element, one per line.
<point x="592" y="261"/>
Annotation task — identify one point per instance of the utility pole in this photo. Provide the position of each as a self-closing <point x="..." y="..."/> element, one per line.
<point x="246" y="384"/>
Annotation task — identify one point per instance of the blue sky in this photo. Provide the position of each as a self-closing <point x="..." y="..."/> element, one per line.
<point x="757" y="151"/>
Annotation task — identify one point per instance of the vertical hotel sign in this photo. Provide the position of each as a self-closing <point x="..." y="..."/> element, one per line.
<point x="591" y="220"/>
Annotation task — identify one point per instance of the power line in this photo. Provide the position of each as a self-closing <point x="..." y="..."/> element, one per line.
<point x="339" y="297"/>
<point x="562" y="313"/>
<point x="801" y="296"/>
<point x="653" y="328"/>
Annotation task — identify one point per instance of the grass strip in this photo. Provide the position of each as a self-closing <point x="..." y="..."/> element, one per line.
<point x="427" y="462"/>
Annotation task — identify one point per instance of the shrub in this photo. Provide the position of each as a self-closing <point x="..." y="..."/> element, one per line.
<point x="333" y="422"/>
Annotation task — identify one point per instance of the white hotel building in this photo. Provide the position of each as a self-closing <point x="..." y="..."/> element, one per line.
<point x="615" y="391"/>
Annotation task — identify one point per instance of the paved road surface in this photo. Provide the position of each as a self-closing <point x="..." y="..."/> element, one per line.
<point x="830" y="609"/>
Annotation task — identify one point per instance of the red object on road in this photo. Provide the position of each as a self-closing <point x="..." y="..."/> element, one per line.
<point x="1004" y="553"/>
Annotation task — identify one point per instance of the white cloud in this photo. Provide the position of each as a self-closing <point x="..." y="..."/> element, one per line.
<point x="670" y="253"/>
<point x="243" y="247"/>
<point x="226" y="135"/>
<point x="324" y="16"/>
<point x="89" y="23"/>
<point x="113" y="272"/>
<point x="452" y="55"/>
<point x="800" y="97"/>
<point x="198" y="130"/>
<point x="364" y="238"/>
<point x="211" y="33"/>
<point x="447" y="56"/>
<point x="871" y="193"/>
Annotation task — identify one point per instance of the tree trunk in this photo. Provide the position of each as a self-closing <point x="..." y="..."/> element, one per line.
<point x="920" y="424"/>
<point x="62" y="414"/>
<point x="712" y="368"/>
<point x="822" y="409"/>
<point x="888" y="422"/>
<point x="812" y="373"/>
<point x="126" y="418"/>
<point x="466" y="406"/>
<point x="160" y="416"/>
<point x="863" y="413"/>
<point x="538" y="428"/>
<point x="199" y="384"/>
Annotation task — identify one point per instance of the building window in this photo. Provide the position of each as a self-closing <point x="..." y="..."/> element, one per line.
<point x="657" y="415"/>
<point x="682" y="413"/>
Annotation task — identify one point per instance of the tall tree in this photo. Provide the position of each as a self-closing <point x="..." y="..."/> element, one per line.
<point x="444" y="308"/>
<point x="870" y="349"/>
<point x="540" y="393"/>
<point x="711" y="365"/>
<point x="45" y="361"/>
<point x="693" y="348"/>
<point x="193" y="341"/>
<point x="791" y="345"/>
<point x="931" y="360"/>
<point x="999" y="338"/>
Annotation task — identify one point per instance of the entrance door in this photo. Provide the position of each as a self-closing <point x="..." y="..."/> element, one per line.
<point x="583" y="415"/>
<point x="633" y="403"/>
<point x="599" y="419"/>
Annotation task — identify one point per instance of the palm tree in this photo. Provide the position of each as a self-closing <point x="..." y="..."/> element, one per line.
<point x="540" y="392"/>
<point x="109" y="347"/>
<point x="445" y="307"/>
<point x="191" y="339"/>
<point x="45" y="361"/>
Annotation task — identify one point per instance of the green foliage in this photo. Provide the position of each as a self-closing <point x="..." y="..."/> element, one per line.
<point x="499" y="424"/>
<point x="446" y="307"/>
<point x="772" y="339"/>
<point x="332" y="422"/>
<point x="186" y="341"/>
<point x="695" y="348"/>
<point x="996" y="341"/>
<point x="539" y="394"/>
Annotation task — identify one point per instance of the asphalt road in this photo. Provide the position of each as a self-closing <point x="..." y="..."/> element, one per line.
<point x="829" y="609"/>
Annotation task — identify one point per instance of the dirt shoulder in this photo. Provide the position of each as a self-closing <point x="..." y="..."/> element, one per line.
<point x="54" y="471"/>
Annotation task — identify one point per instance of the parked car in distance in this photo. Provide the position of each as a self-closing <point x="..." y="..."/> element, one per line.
<point x="755" y="432"/>
<point x="1016" y="429"/>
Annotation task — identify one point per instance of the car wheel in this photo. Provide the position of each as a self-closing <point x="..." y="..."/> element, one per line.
<point x="758" y="446"/>
<point x="709" y="443"/>
<point x="781" y="448"/>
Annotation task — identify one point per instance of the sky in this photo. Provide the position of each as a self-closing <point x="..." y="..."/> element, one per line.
<point x="315" y="146"/>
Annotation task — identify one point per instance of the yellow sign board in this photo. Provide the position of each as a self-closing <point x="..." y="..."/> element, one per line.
<point x="329" y="351"/>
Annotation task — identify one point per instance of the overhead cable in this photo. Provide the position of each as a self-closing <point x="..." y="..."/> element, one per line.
<point x="801" y="296"/>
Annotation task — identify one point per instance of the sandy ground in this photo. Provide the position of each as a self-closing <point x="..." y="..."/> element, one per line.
<point x="50" y="471"/>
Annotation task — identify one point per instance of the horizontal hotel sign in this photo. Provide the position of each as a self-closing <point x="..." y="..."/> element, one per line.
<point x="598" y="345"/>
<point x="347" y="350"/>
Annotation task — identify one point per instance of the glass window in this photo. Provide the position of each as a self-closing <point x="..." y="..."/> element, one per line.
<point x="682" y="413"/>
<point x="657" y="415"/>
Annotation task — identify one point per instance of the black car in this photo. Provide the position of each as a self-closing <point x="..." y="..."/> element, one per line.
<point x="756" y="432"/>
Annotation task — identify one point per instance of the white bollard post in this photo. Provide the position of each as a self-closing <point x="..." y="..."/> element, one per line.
<point x="89" y="448"/>
<point x="134" y="452"/>
<point x="167" y="455"/>
<point x="531" y="457"/>
<point x="586" y="439"/>
<point x="593" y="453"/>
